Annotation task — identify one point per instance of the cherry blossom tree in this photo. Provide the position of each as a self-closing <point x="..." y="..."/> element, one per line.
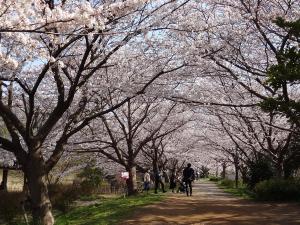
<point x="122" y="135"/>
<point x="231" y="49"/>
<point x="67" y="66"/>
<point x="248" y="134"/>
<point x="57" y="54"/>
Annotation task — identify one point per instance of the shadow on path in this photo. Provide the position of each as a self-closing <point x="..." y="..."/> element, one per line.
<point x="210" y="205"/>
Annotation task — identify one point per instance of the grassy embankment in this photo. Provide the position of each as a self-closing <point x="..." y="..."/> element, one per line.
<point x="279" y="190"/>
<point x="88" y="210"/>
<point x="228" y="186"/>
<point x="85" y="209"/>
<point x="108" y="211"/>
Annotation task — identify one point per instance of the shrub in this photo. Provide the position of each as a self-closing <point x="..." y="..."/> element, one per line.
<point x="204" y="172"/>
<point x="92" y="179"/>
<point x="259" y="170"/>
<point x="215" y="179"/>
<point x="9" y="214"/>
<point x="62" y="196"/>
<point x="278" y="190"/>
<point x="10" y="206"/>
<point x="227" y="183"/>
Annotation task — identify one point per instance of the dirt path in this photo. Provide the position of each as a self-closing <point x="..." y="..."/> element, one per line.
<point x="209" y="205"/>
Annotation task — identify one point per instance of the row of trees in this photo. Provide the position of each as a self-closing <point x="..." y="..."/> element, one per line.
<point x="255" y="71"/>
<point x="64" y="67"/>
<point x="135" y="132"/>
<point x="127" y="79"/>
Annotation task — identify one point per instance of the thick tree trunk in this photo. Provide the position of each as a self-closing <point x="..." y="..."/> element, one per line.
<point x="279" y="170"/>
<point x="40" y="202"/>
<point x="155" y="163"/>
<point x="132" y="182"/>
<point x="4" y="179"/>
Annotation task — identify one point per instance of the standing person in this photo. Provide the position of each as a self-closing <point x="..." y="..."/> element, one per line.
<point x="147" y="181"/>
<point x="158" y="180"/>
<point x="2" y="185"/>
<point x="188" y="178"/>
<point x="173" y="180"/>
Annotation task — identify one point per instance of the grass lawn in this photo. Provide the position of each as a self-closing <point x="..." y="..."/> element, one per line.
<point x="98" y="211"/>
<point x="229" y="187"/>
<point x="108" y="211"/>
<point x="239" y="192"/>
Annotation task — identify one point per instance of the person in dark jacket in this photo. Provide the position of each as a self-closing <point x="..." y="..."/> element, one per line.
<point x="173" y="180"/>
<point x="158" y="181"/>
<point x="188" y="178"/>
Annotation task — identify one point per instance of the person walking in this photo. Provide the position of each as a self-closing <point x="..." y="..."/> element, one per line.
<point x="173" y="180"/>
<point x="158" y="180"/>
<point x="188" y="178"/>
<point x="147" y="181"/>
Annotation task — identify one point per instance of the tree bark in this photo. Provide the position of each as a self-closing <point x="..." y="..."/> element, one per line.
<point x="217" y="171"/>
<point x="279" y="170"/>
<point x="223" y="174"/>
<point x="236" y="175"/>
<point x="131" y="182"/>
<point x="4" y="179"/>
<point x="236" y="168"/>
<point x="38" y="190"/>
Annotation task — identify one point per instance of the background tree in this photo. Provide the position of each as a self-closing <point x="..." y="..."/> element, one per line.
<point x="122" y="135"/>
<point x="232" y="49"/>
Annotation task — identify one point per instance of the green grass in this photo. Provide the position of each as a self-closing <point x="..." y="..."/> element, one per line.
<point x="109" y="211"/>
<point x="213" y="178"/>
<point x="92" y="197"/>
<point x="241" y="191"/>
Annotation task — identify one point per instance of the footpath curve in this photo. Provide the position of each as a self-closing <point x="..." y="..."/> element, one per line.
<point x="209" y="205"/>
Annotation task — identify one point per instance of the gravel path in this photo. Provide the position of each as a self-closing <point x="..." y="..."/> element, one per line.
<point x="210" y="205"/>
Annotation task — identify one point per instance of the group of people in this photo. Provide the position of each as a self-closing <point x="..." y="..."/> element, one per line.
<point x="184" y="182"/>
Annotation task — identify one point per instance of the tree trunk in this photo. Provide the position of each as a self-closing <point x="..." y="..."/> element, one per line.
<point x="279" y="170"/>
<point x="40" y="202"/>
<point x="243" y="171"/>
<point x="236" y="175"/>
<point x="217" y="171"/>
<point x="4" y="179"/>
<point x="131" y="182"/>
<point x="223" y="174"/>
<point x="236" y="167"/>
<point x="25" y="186"/>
